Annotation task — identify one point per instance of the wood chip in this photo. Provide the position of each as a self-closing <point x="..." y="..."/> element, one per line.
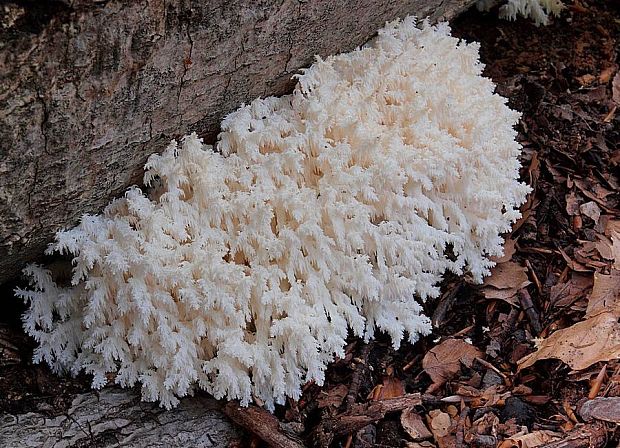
<point x="591" y="210"/>
<point x="414" y="425"/>
<point x="601" y="408"/>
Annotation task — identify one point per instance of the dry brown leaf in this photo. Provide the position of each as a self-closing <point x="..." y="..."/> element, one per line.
<point x="615" y="89"/>
<point x="442" y="362"/>
<point x="587" y="254"/>
<point x="565" y="294"/>
<point x="605" y="296"/>
<point x="604" y="248"/>
<point x="507" y="275"/>
<point x="591" y="210"/>
<point x="509" y="251"/>
<point x="601" y="408"/>
<point x="572" y="264"/>
<point x="581" y="345"/>
<point x="531" y="440"/>
<point x="490" y="397"/>
<point x="591" y="190"/>
<point x="507" y="295"/>
<point x="414" y="425"/>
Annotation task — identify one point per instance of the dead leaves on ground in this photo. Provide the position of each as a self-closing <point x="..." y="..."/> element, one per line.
<point x="506" y="279"/>
<point x="444" y="361"/>
<point x="581" y="345"/>
<point x="597" y="337"/>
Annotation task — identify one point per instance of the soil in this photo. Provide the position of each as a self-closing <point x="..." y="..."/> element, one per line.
<point x="561" y="77"/>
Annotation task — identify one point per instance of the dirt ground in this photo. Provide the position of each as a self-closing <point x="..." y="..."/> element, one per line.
<point x="531" y="357"/>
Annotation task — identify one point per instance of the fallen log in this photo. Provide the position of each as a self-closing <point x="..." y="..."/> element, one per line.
<point x="89" y="89"/>
<point x="115" y="417"/>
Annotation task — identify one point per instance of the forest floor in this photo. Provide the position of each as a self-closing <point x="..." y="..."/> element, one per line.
<point x="531" y="357"/>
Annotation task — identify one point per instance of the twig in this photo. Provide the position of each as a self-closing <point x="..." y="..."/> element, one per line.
<point x="356" y="379"/>
<point x="488" y="365"/>
<point x="262" y="424"/>
<point x="410" y="364"/>
<point x="528" y="306"/>
<point x="534" y="276"/>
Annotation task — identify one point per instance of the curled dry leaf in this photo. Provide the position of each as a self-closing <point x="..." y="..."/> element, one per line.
<point x="601" y="408"/>
<point x="581" y="345"/>
<point x="604" y="247"/>
<point x="442" y="362"/>
<point x="586" y="80"/>
<point x="612" y="225"/>
<point x="572" y="264"/>
<point x="605" y="296"/>
<point x="420" y="445"/>
<point x="606" y="74"/>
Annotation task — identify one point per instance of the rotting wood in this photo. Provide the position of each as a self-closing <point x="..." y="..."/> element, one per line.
<point x="114" y="417"/>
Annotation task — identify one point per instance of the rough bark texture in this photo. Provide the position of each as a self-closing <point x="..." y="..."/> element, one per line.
<point x="114" y="418"/>
<point x="89" y="89"/>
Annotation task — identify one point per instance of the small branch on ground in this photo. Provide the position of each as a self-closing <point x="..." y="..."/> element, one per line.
<point x="530" y="310"/>
<point x="261" y="423"/>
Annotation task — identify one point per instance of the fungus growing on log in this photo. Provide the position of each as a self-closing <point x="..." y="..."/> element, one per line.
<point x="330" y="210"/>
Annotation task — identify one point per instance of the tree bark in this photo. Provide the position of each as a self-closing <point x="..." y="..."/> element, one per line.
<point x="88" y="89"/>
<point x="113" y="418"/>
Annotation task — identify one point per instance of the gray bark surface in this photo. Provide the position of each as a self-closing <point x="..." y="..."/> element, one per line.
<point x="88" y="89"/>
<point x="117" y="418"/>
